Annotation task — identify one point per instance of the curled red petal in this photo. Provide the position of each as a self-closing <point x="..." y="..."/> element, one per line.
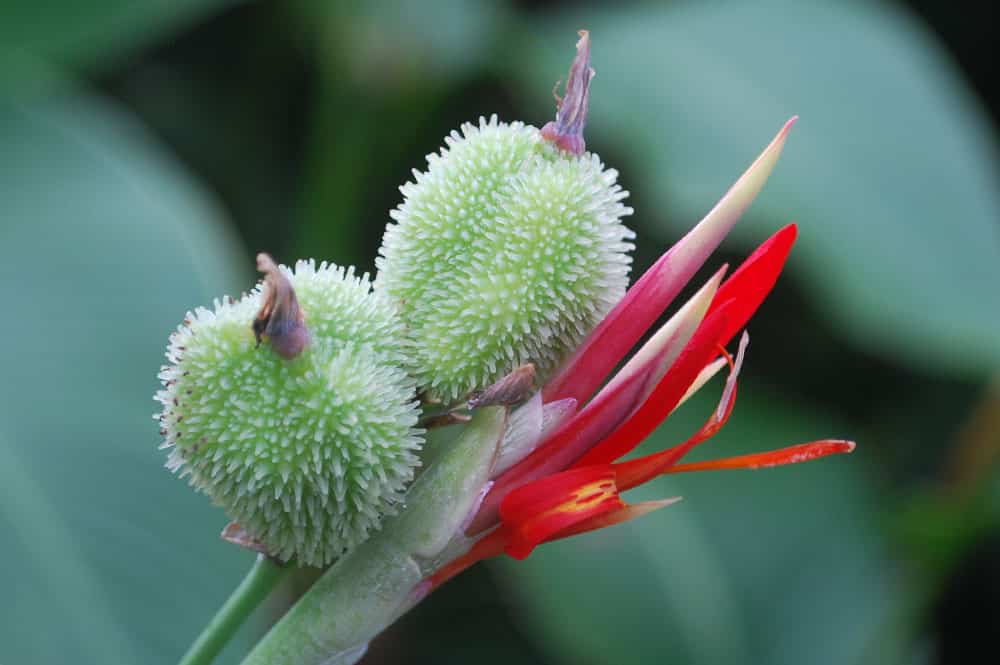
<point x="638" y="471"/>
<point x="535" y="512"/>
<point x="802" y="452"/>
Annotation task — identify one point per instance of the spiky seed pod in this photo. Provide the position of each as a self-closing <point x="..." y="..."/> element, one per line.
<point x="506" y="251"/>
<point x="306" y="454"/>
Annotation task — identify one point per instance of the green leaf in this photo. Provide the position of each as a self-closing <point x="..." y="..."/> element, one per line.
<point x="76" y="34"/>
<point x="104" y="244"/>
<point x="774" y="566"/>
<point x="891" y="171"/>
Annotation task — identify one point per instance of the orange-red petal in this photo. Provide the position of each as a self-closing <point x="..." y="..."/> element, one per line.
<point x="802" y="452"/>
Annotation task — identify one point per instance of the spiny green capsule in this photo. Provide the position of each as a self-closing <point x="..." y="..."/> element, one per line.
<point x="507" y="250"/>
<point x="307" y="444"/>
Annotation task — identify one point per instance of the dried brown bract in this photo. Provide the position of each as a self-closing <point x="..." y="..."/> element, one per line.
<point x="280" y="319"/>
<point x="508" y="391"/>
<point x="571" y="116"/>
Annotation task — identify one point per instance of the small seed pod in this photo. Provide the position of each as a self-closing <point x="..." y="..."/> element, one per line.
<point x="309" y="439"/>
<point x="508" y="249"/>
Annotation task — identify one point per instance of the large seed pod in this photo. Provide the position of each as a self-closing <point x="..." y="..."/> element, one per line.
<point x="506" y="250"/>
<point x="307" y="454"/>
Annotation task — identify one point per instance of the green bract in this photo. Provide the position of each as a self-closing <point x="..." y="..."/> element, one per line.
<point x="307" y="454"/>
<point x="506" y="250"/>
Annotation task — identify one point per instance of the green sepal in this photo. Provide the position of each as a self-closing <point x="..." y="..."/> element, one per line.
<point x="436" y="507"/>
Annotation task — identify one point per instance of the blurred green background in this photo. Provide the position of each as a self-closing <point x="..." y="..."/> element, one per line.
<point x="149" y="149"/>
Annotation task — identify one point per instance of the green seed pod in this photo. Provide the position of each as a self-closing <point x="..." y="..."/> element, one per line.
<point x="507" y="250"/>
<point x="306" y="444"/>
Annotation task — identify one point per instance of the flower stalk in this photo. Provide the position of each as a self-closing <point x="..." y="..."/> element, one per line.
<point x="264" y="575"/>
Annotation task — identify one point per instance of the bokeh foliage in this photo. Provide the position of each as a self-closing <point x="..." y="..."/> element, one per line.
<point x="148" y="149"/>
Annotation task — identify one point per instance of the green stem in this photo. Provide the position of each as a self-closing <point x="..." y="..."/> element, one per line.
<point x="254" y="588"/>
<point x="376" y="582"/>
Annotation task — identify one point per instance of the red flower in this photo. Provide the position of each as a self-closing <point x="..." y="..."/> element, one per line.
<point x="572" y="479"/>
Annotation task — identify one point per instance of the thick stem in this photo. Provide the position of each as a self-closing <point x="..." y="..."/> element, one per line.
<point x="255" y="587"/>
<point x="373" y="584"/>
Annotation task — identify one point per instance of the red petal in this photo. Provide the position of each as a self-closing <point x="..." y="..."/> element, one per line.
<point x="667" y="343"/>
<point x="740" y="296"/>
<point x="537" y="511"/>
<point x="608" y="343"/>
<point x="802" y="452"/>
<point x="638" y="471"/>
<point x="561" y="449"/>
<point x="628" y="390"/>
<point x="496" y="542"/>
<point x="620" y="330"/>
<point x="753" y="280"/>
<point x="668" y="392"/>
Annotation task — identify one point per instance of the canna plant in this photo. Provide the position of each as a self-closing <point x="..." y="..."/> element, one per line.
<point x="500" y="313"/>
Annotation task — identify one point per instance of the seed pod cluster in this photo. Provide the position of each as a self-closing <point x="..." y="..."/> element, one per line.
<point x="295" y="407"/>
